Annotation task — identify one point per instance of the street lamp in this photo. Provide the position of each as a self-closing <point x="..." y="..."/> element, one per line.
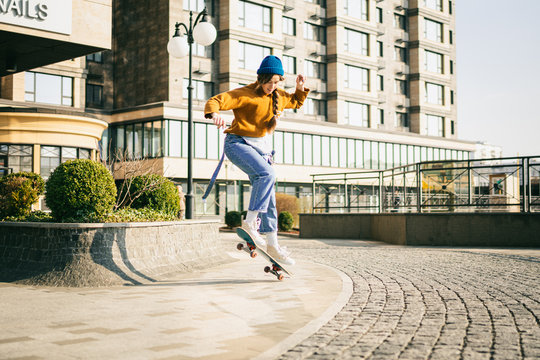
<point x="203" y="33"/>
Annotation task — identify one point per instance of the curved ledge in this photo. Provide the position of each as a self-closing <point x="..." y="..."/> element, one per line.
<point x="106" y="254"/>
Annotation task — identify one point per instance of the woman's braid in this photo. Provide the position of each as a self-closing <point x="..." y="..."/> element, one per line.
<point x="273" y="122"/>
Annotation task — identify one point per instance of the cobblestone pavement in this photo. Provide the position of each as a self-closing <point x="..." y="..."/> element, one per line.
<point x="428" y="303"/>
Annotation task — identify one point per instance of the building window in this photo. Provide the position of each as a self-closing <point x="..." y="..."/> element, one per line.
<point x="48" y="89"/>
<point x="379" y="15"/>
<point x="452" y="127"/>
<point x="202" y="51"/>
<point x="357" y="8"/>
<point x="315" y="107"/>
<point x="250" y="56"/>
<point x="19" y="157"/>
<point x="357" y="114"/>
<point x="194" y="5"/>
<point x="433" y="4"/>
<point x="94" y="96"/>
<point x="50" y="159"/>
<point x="95" y="57"/>
<point x="452" y="97"/>
<point x="356" y="78"/>
<point x="434" y="94"/>
<point x="380" y="49"/>
<point x="202" y="90"/>
<point x="433" y="30"/>
<point x="380" y="83"/>
<point x="289" y="26"/>
<point x="357" y="42"/>
<point x="451" y="66"/>
<point x="451" y="36"/>
<point x="433" y="62"/>
<point x="381" y="116"/>
<point x="315" y="69"/>
<point x="401" y="120"/>
<point x="318" y="2"/>
<point x="289" y="64"/>
<point x="315" y="32"/>
<point x="400" y="87"/>
<point x="400" y="21"/>
<point x="450" y="7"/>
<point x="400" y="54"/>
<point x="434" y="125"/>
<point x="254" y="16"/>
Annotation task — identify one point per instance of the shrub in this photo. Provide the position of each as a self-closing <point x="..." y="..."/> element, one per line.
<point x="290" y="203"/>
<point x="80" y="189"/>
<point x="18" y="192"/>
<point x="285" y="221"/>
<point x="155" y="192"/>
<point x="233" y="219"/>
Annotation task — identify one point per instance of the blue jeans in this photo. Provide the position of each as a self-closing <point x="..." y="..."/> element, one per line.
<point x="261" y="176"/>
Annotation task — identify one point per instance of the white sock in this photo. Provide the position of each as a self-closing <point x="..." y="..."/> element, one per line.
<point x="251" y="216"/>
<point x="271" y="239"/>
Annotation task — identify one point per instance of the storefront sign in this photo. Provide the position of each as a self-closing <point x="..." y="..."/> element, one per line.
<point x="48" y="15"/>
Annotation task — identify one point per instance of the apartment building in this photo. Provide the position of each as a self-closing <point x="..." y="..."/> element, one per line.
<point x="382" y="76"/>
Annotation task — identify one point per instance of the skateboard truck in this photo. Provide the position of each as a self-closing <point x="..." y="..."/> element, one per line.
<point x="274" y="270"/>
<point x="250" y="249"/>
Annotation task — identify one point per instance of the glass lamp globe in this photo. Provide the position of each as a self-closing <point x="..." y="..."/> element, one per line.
<point x="204" y="33"/>
<point x="178" y="46"/>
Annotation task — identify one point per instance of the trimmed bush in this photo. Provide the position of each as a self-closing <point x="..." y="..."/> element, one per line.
<point x="233" y="219"/>
<point x="290" y="203"/>
<point x="79" y="190"/>
<point x="155" y="192"/>
<point x="18" y="192"/>
<point x="285" y="221"/>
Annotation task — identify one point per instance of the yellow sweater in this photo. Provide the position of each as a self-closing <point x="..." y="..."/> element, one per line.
<point x="252" y="108"/>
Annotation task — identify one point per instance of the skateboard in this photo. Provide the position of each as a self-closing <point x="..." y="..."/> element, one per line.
<point x="251" y="248"/>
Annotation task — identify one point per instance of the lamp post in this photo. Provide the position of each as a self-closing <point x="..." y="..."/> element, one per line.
<point x="203" y="33"/>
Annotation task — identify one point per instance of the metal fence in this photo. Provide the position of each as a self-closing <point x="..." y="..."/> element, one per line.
<point x="483" y="185"/>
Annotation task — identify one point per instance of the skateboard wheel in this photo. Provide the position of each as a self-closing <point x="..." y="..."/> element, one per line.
<point x="240" y="246"/>
<point x="253" y="254"/>
<point x="280" y="277"/>
<point x="267" y="269"/>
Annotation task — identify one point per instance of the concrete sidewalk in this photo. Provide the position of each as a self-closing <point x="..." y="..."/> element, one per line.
<point x="235" y="311"/>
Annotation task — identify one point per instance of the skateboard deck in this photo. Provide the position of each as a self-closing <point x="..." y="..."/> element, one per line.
<point x="253" y="249"/>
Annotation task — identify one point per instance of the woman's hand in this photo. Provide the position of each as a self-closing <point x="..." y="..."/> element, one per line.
<point x="218" y="120"/>
<point x="300" y="80"/>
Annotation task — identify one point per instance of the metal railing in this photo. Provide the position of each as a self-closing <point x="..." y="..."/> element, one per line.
<point x="484" y="185"/>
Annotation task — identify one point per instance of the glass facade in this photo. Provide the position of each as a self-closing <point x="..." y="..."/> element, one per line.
<point x="292" y="148"/>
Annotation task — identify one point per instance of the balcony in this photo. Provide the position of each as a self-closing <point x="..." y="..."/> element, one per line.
<point x="402" y="102"/>
<point x="320" y="88"/>
<point x="202" y="67"/>
<point x="401" y="5"/>
<point x="317" y="49"/>
<point x="289" y="43"/>
<point x="318" y="14"/>
<point x="288" y="6"/>
<point x="402" y="69"/>
<point x="403" y="37"/>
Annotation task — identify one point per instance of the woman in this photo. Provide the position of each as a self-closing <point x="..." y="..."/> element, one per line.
<point x="248" y="144"/>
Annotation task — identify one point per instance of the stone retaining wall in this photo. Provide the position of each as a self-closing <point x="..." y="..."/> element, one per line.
<point x="438" y="229"/>
<point x="106" y="254"/>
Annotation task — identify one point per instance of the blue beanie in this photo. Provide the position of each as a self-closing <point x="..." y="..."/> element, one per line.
<point x="271" y="65"/>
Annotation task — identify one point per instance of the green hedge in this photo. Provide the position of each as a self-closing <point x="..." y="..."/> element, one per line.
<point x="285" y="221"/>
<point x="233" y="219"/>
<point x="152" y="191"/>
<point x="18" y="192"/>
<point x="79" y="190"/>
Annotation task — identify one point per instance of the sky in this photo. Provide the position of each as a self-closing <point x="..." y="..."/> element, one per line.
<point x="498" y="73"/>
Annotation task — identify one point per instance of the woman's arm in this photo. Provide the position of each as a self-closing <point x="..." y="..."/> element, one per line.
<point x="296" y="100"/>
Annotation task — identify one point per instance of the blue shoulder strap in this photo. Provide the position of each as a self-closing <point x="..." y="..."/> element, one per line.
<point x="214" y="176"/>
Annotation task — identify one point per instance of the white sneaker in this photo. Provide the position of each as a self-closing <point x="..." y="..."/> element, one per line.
<point x="252" y="229"/>
<point x="280" y="254"/>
